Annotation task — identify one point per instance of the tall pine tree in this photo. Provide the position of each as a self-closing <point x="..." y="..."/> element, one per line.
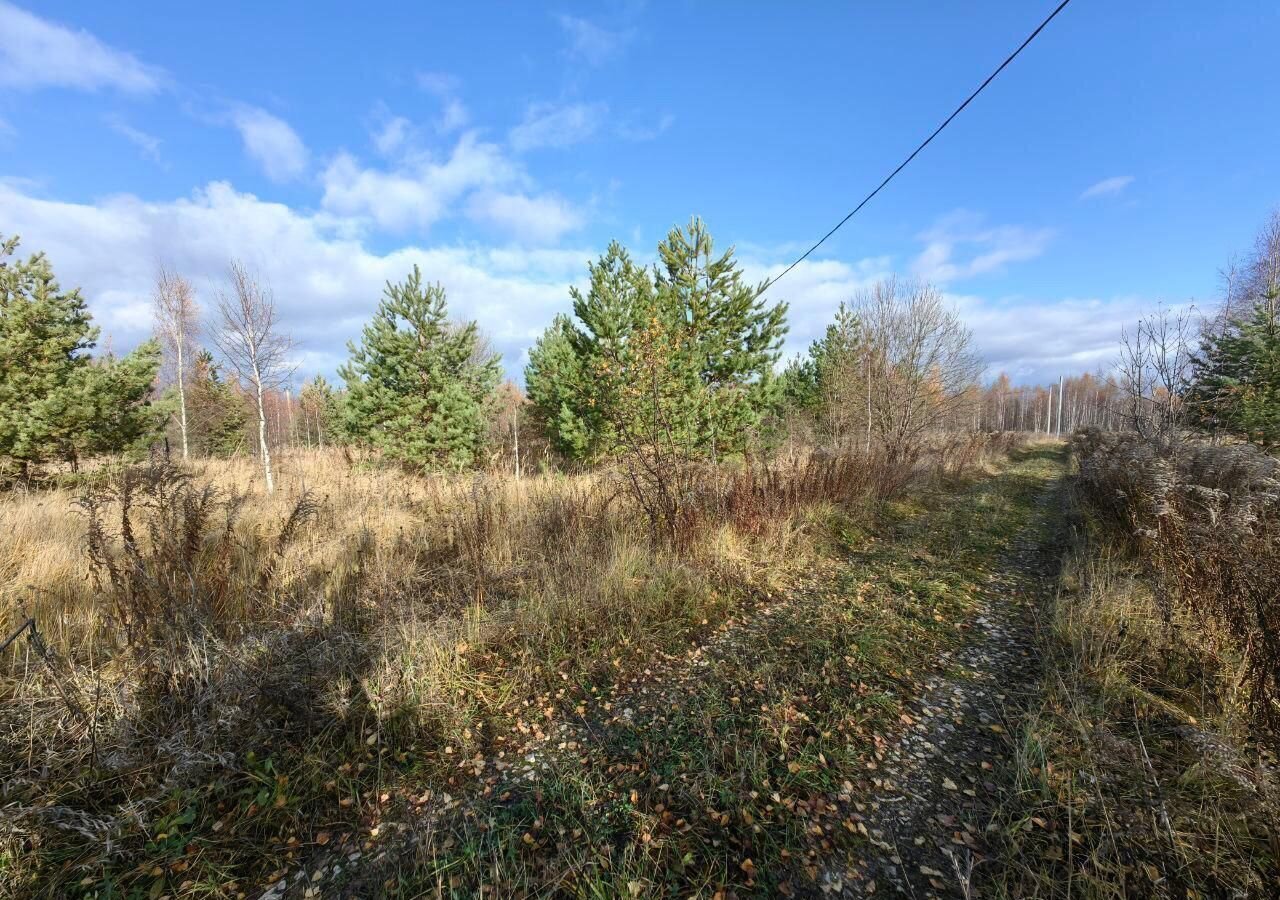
<point x="734" y="337"/>
<point x="56" y="401"/>
<point x="417" y="384"/>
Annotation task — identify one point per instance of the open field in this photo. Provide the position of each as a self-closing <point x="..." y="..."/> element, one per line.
<point x="398" y="629"/>
<point x="476" y="686"/>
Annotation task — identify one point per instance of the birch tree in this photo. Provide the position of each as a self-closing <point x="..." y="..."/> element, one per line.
<point x="922" y="363"/>
<point x="253" y="346"/>
<point x="177" y="320"/>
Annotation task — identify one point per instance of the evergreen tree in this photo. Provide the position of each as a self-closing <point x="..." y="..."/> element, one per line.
<point x="417" y="384"/>
<point x="825" y="381"/>
<point x="1236" y="375"/>
<point x="732" y="335"/>
<point x="55" y="400"/>
<point x="217" y="413"/>
<point x="716" y="333"/>
<point x="797" y="386"/>
<point x="556" y="384"/>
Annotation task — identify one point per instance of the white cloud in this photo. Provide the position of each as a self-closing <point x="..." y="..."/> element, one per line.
<point x="546" y="125"/>
<point x="541" y="219"/>
<point x="148" y="144"/>
<point x="453" y="113"/>
<point x="1033" y="340"/>
<point x="990" y="248"/>
<point x="326" y="281"/>
<point x="1036" y="340"/>
<point x="590" y="42"/>
<point x="453" y="116"/>
<point x="1107" y="187"/>
<point x="420" y="191"/>
<point x="37" y="53"/>
<point x="271" y="143"/>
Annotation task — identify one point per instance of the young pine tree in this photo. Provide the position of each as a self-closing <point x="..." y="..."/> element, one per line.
<point x="732" y="335"/>
<point x="217" y="413"/>
<point x="715" y="328"/>
<point x="55" y="400"/>
<point x="556" y="383"/>
<point x="418" y="384"/>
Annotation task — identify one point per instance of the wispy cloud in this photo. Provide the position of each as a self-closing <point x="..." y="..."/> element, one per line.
<point x="391" y="135"/>
<point x="148" y="144"/>
<point x="1107" y="187"/>
<point x="36" y="53"/>
<point x="271" y="142"/>
<point x="442" y="84"/>
<point x="629" y="131"/>
<point x="961" y="246"/>
<point x="592" y="43"/>
<point x="454" y="114"/>
<point x="546" y="125"/>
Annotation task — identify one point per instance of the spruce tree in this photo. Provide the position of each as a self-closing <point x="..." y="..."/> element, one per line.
<point x="1235" y="382"/>
<point x="57" y="402"/>
<point x="417" y="384"/>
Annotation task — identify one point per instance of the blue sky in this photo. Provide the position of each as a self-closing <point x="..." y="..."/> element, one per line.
<point x="1118" y="163"/>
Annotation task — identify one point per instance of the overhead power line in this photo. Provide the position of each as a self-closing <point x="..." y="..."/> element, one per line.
<point x="927" y="141"/>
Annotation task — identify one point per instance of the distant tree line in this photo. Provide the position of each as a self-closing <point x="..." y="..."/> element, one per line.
<point x="651" y="367"/>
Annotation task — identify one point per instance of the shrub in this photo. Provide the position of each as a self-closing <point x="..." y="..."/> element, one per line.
<point x="1206" y="520"/>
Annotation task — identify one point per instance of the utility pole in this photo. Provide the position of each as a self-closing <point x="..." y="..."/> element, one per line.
<point x="1061" y="381"/>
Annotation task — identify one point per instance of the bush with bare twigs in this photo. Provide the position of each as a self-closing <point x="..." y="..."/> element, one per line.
<point x="1206" y="520"/>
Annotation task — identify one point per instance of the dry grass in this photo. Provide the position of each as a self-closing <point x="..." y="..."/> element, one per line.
<point x="234" y="676"/>
<point x="218" y="653"/>
<point x="1140" y="774"/>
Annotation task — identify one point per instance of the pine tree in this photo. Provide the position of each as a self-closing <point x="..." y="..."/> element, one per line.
<point x="417" y="384"/>
<point x="573" y="375"/>
<point x="827" y="382"/>
<point x="55" y="400"/>
<point x="733" y="336"/>
<point x="217" y="413"/>
<point x="555" y="380"/>
<point x="716" y="334"/>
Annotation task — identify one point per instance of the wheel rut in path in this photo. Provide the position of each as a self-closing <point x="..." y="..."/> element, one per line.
<point x="938" y="784"/>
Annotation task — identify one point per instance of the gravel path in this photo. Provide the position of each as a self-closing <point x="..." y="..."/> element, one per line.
<point x="936" y="788"/>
